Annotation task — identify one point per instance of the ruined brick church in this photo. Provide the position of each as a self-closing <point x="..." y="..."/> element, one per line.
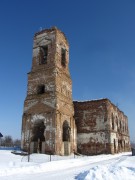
<point x="52" y="122"/>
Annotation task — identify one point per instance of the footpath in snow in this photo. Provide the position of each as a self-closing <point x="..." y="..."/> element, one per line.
<point x="100" y="167"/>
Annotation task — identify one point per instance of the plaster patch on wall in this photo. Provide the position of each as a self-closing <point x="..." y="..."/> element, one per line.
<point x="95" y="137"/>
<point x="37" y="117"/>
<point x="36" y="52"/>
<point x="43" y="39"/>
<point x="100" y="123"/>
<point x="112" y="137"/>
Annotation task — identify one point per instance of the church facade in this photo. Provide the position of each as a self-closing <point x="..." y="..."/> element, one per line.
<point x="52" y="123"/>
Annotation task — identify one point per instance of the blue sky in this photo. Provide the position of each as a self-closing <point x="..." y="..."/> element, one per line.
<point x="101" y="35"/>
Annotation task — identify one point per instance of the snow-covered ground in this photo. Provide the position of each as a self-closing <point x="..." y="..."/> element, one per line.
<point x="101" y="167"/>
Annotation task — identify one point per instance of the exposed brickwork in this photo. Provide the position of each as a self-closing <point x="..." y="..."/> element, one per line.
<point x="49" y="97"/>
<point x="48" y="123"/>
<point x="98" y="127"/>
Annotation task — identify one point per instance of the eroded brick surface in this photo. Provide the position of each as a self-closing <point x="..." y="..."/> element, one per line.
<point x="49" y="97"/>
<point x="101" y="128"/>
<point x="50" y="119"/>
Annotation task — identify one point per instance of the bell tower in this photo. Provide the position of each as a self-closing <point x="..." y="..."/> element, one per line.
<point x="48" y="125"/>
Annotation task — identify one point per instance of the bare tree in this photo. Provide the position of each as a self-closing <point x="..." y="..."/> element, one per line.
<point x="8" y="141"/>
<point x="17" y="142"/>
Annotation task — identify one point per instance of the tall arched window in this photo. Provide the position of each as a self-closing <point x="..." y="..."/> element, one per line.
<point x="120" y="125"/>
<point x="112" y="121"/>
<point x="63" y="57"/>
<point x="66" y="131"/>
<point x="114" y="141"/>
<point x="43" y="54"/>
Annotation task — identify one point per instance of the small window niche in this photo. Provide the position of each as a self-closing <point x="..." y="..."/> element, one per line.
<point x="41" y="89"/>
<point x="43" y="54"/>
<point x="63" y="57"/>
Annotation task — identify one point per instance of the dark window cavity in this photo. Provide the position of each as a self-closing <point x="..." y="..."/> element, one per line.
<point x="43" y="54"/>
<point x="63" y="57"/>
<point x="66" y="131"/>
<point x="41" y="89"/>
<point x="114" y="146"/>
<point x="112" y="122"/>
<point x="120" y="125"/>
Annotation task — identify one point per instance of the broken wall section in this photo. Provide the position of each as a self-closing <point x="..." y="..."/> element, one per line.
<point x="119" y="133"/>
<point x="38" y="132"/>
<point x="92" y="127"/>
<point x="101" y="128"/>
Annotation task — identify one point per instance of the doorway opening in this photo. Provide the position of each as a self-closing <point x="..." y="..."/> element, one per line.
<point x="66" y="137"/>
<point x="38" y="135"/>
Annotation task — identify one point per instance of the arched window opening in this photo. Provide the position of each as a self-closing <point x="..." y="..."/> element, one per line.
<point x="66" y="131"/>
<point x="112" y="122"/>
<point x="124" y="145"/>
<point x="120" y="125"/>
<point x="43" y="54"/>
<point x="121" y="143"/>
<point x="38" y="135"/>
<point x="118" y="144"/>
<point x="114" y="141"/>
<point x="63" y="57"/>
<point x="126" y="128"/>
<point x="123" y="127"/>
<point x="41" y="89"/>
<point x="38" y="131"/>
<point x="117" y="121"/>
